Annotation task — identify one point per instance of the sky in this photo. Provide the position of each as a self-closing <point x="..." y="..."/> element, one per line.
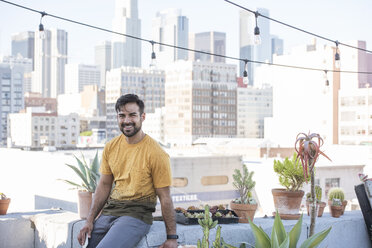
<point x="341" y="20"/>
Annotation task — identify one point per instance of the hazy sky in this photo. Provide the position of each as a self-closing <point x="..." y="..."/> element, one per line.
<point x="343" y="20"/>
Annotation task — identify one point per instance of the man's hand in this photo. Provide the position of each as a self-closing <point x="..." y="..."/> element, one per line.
<point x="169" y="243"/>
<point x="86" y="230"/>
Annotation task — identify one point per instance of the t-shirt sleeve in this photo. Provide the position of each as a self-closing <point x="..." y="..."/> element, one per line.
<point x="105" y="168"/>
<point x="161" y="171"/>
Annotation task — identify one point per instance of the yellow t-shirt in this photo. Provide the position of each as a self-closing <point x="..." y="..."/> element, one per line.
<point x="137" y="168"/>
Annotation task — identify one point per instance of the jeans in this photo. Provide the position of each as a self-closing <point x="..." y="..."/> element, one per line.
<point x="117" y="232"/>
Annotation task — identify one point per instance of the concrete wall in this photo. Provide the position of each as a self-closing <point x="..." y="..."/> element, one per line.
<point x="57" y="228"/>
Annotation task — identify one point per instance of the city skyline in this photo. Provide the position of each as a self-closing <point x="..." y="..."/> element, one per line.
<point x="329" y="23"/>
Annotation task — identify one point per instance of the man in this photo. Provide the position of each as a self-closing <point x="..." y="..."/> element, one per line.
<point x="141" y="171"/>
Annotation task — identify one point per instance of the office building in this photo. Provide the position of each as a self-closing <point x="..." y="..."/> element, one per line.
<point x="126" y="51"/>
<point x="102" y="58"/>
<point x="79" y="75"/>
<point x="210" y="42"/>
<point x="23" y="44"/>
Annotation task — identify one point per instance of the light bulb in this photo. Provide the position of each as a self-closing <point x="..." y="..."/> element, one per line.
<point x="337" y="64"/>
<point x="245" y="80"/>
<point x="257" y="36"/>
<point x="41" y="31"/>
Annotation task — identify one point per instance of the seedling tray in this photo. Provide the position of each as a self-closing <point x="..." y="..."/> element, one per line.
<point x="182" y="219"/>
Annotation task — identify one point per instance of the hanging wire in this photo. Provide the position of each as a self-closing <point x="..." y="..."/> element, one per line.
<point x="178" y="47"/>
<point x="299" y="29"/>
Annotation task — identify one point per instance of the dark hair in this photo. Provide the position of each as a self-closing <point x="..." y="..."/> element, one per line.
<point x="128" y="98"/>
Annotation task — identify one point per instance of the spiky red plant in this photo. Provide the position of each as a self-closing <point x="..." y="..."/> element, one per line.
<point x="308" y="150"/>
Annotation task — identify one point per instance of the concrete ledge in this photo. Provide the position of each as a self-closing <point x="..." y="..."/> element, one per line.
<point x="58" y="228"/>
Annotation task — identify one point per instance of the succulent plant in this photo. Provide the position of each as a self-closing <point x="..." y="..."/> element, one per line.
<point x="3" y="196"/>
<point x="318" y="193"/>
<point x="244" y="183"/>
<point x="337" y="193"/>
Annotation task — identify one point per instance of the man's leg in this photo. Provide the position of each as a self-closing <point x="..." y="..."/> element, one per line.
<point x="125" y="232"/>
<point x="100" y="228"/>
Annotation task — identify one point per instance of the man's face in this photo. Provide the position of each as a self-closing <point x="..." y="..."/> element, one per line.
<point x="130" y="119"/>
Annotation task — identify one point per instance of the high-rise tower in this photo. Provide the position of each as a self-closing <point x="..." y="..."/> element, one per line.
<point x="126" y="51"/>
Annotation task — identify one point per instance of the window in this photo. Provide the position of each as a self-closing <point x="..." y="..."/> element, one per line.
<point x="214" y="180"/>
<point x="179" y="182"/>
<point x="331" y="183"/>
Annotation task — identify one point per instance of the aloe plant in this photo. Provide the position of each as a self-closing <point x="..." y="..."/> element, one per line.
<point x="88" y="174"/>
<point x="281" y="239"/>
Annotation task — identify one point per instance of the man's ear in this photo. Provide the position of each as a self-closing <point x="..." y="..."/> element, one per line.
<point x="143" y="116"/>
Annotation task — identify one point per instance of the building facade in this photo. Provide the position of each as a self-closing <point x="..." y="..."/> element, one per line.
<point x="254" y="104"/>
<point x="355" y="116"/>
<point x="36" y="100"/>
<point x="126" y="51"/>
<point x="170" y="27"/>
<point x="102" y="58"/>
<point x="23" y="44"/>
<point x="50" y="59"/>
<point x="211" y="42"/>
<point x="148" y="84"/>
<point x="35" y="129"/>
<point x="79" y="75"/>
<point x="200" y="101"/>
<point x="26" y="63"/>
<point x="11" y="93"/>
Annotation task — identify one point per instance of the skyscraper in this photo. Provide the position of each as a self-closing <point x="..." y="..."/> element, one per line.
<point x="170" y="27"/>
<point x="126" y="51"/>
<point x="211" y="42"/>
<point x="50" y="59"/>
<point x="102" y="58"/>
<point x="11" y="93"/>
<point x="248" y="50"/>
<point x="23" y="44"/>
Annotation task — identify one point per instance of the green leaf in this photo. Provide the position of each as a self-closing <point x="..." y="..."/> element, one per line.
<point x="261" y="238"/>
<point x="316" y="239"/>
<point x="79" y="173"/>
<point x="278" y="228"/>
<point x="285" y="243"/>
<point x="72" y="183"/>
<point x="274" y="239"/>
<point x="295" y="233"/>
<point x="81" y="166"/>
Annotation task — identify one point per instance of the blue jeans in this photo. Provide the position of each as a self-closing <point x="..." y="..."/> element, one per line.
<point x="117" y="231"/>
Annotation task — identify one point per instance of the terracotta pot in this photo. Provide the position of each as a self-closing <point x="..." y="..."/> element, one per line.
<point x="308" y="207"/>
<point x="319" y="206"/>
<point x="84" y="203"/>
<point x="344" y="203"/>
<point x="287" y="203"/>
<point x="336" y="211"/>
<point x="322" y="205"/>
<point x="244" y="211"/>
<point x="4" y="204"/>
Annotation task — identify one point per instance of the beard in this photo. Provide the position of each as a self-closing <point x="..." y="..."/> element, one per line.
<point x="131" y="132"/>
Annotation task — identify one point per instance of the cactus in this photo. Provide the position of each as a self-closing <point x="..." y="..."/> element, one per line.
<point x="318" y="193"/>
<point x="207" y="224"/>
<point x="337" y="193"/>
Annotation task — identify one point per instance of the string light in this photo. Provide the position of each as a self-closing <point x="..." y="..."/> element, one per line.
<point x="193" y="50"/>
<point x="257" y="36"/>
<point x="245" y="73"/>
<point x="337" y="57"/>
<point x="153" y="55"/>
<point x="41" y="27"/>
<point x="326" y="78"/>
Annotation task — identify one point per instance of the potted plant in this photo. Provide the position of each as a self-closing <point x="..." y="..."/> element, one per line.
<point x="89" y="176"/>
<point x="245" y="206"/>
<point x="288" y="201"/>
<point x="308" y="150"/>
<point x="336" y="207"/>
<point x="337" y="193"/>
<point x="280" y="238"/>
<point x="4" y="203"/>
<point x="319" y="204"/>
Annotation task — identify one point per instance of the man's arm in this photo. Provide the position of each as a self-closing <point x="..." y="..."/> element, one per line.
<point x="100" y="197"/>
<point x="167" y="211"/>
